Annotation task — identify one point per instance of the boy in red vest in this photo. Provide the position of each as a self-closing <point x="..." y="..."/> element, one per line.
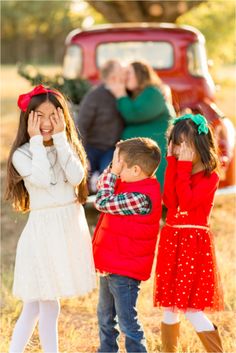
<point x="125" y="239"/>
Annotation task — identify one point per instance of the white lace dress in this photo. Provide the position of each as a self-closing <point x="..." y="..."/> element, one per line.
<point x="54" y="252"/>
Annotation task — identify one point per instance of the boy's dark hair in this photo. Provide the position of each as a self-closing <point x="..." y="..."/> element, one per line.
<point x="205" y="144"/>
<point x="141" y="151"/>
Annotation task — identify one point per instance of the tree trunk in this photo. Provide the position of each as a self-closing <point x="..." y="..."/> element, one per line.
<point x="142" y="11"/>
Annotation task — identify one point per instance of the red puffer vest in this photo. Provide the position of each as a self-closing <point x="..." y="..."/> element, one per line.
<point x="125" y="245"/>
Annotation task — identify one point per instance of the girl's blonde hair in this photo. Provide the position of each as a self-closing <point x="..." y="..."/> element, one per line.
<point x="16" y="191"/>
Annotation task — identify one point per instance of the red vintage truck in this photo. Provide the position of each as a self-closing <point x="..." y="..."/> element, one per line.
<point x="178" y="55"/>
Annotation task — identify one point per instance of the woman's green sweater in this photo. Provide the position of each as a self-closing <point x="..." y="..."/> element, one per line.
<point x="147" y="115"/>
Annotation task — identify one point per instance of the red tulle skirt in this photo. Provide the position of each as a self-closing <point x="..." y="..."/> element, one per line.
<point x="186" y="271"/>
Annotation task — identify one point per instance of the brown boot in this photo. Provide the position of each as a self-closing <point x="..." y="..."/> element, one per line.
<point x="169" y="337"/>
<point x="211" y="340"/>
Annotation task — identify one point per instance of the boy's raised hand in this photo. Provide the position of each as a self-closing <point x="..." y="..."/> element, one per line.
<point x="33" y="124"/>
<point x="58" y="121"/>
<point x="117" y="164"/>
<point x="186" y="152"/>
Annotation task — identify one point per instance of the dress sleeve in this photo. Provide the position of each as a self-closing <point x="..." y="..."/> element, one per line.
<point x="190" y="197"/>
<point x="145" y="107"/>
<point x="68" y="159"/>
<point x="170" y="198"/>
<point x="33" y="165"/>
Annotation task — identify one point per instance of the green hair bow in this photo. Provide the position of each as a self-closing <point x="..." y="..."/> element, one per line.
<point x="198" y="119"/>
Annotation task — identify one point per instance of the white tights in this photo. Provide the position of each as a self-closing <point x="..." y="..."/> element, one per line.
<point x="198" y="319"/>
<point x="46" y="312"/>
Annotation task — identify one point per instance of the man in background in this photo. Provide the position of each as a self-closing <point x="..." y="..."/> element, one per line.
<point x="99" y="122"/>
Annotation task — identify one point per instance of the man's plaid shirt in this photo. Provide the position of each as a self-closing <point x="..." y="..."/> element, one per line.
<point x="127" y="203"/>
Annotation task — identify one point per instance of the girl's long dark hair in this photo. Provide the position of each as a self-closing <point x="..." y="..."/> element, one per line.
<point x="205" y="144"/>
<point x="15" y="189"/>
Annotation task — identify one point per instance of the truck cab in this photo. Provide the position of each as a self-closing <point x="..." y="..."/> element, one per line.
<point x="178" y="55"/>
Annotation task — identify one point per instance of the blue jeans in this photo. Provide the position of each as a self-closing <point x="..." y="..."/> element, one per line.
<point x="99" y="159"/>
<point x="117" y="305"/>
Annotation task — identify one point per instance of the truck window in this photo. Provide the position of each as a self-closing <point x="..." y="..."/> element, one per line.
<point x="72" y="62"/>
<point x="197" y="60"/>
<point x="159" y="55"/>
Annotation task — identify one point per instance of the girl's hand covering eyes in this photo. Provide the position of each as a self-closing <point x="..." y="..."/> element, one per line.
<point x="33" y="124"/>
<point x="170" y="149"/>
<point x="186" y="153"/>
<point x="58" y="121"/>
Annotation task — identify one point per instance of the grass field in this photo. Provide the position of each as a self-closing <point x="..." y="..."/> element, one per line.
<point x="78" y="330"/>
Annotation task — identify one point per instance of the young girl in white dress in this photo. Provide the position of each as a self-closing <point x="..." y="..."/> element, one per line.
<point x="47" y="176"/>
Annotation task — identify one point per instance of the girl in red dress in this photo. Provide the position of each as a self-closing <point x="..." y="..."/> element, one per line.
<point x="187" y="279"/>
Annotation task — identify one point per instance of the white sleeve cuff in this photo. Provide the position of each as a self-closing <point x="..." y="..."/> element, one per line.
<point x="37" y="139"/>
<point x="59" y="138"/>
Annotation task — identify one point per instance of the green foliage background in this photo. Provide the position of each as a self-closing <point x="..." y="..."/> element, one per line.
<point x="74" y="90"/>
<point x="216" y="20"/>
<point x="34" y="31"/>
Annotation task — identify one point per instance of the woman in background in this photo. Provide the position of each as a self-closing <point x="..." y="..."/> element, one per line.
<point x="147" y="108"/>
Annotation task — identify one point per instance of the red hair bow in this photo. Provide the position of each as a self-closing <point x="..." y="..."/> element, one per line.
<point x="24" y="99"/>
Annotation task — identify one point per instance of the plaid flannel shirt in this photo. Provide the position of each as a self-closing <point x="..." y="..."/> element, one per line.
<point x="127" y="203"/>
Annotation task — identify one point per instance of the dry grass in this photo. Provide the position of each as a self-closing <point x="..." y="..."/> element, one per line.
<point x="226" y="91"/>
<point x="78" y="330"/>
